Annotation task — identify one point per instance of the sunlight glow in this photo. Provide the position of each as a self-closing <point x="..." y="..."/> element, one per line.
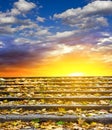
<point x="76" y="74"/>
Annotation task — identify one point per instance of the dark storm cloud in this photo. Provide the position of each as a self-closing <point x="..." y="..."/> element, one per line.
<point x="22" y="55"/>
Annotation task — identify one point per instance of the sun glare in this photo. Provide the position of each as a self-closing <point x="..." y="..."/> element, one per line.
<point x="76" y="74"/>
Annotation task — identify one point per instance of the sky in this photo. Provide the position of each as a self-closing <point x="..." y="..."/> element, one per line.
<point x="55" y="38"/>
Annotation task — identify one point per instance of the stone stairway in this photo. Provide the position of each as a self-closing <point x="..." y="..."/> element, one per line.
<point x="56" y="98"/>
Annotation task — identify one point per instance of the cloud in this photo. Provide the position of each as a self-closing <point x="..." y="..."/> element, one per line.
<point x="97" y="8"/>
<point x="61" y="49"/>
<point x="15" y="12"/>
<point x="21" y="48"/>
<point x="90" y="16"/>
<point x="40" y="19"/>
<point x="7" y="29"/>
<point x="21" y="41"/>
<point x="105" y="41"/>
<point x="10" y="25"/>
<point x="1" y="44"/>
<point x="107" y="59"/>
<point x="21" y="52"/>
<point x="15" y="22"/>
<point x="8" y="20"/>
<point x="104" y="52"/>
<point x="23" y="6"/>
<point x="94" y="8"/>
<point x="42" y="32"/>
<point x="64" y="34"/>
<point x="26" y="41"/>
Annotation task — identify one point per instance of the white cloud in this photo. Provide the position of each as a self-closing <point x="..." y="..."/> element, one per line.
<point x="105" y="34"/>
<point x="90" y="22"/>
<point x="107" y="58"/>
<point x="24" y="6"/>
<point x="63" y="34"/>
<point x="7" y="29"/>
<point x="105" y="40"/>
<point x="43" y="32"/>
<point x="106" y="52"/>
<point x="90" y="16"/>
<point x="21" y="41"/>
<point x="6" y="25"/>
<point x="40" y="19"/>
<point x="28" y="24"/>
<point x="61" y="49"/>
<point x="98" y="7"/>
<point x="102" y="49"/>
<point x="13" y="21"/>
<point x="15" y="12"/>
<point x="1" y="44"/>
<point x="68" y="13"/>
<point x="8" y="20"/>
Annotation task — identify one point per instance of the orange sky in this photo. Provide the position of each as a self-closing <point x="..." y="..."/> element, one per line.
<point x="68" y="64"/>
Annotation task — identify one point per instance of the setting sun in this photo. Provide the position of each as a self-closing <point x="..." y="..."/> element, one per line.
<point x="76" y="74"/>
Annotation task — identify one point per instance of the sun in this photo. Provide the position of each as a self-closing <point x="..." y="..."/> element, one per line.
<point x="77" y="74"/>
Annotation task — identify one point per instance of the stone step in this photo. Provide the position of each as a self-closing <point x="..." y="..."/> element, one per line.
<point x="105" y="118"/>
<point x="56" y="106"/>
